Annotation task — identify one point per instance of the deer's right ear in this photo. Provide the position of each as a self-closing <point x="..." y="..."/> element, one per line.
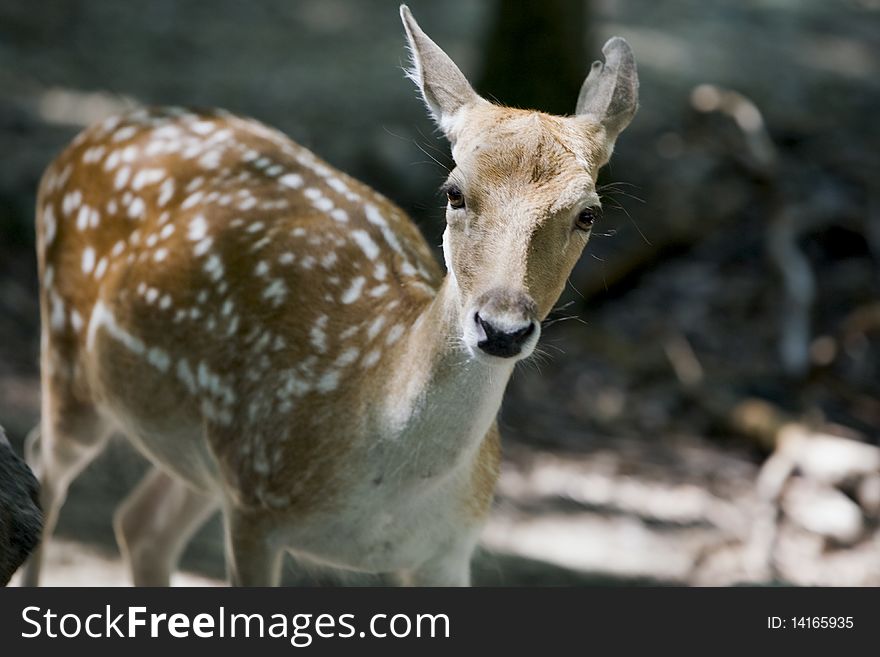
<point x="443" y="86"/>
<point x="610" y="94"/>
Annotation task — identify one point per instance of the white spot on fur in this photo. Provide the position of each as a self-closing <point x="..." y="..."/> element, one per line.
<point x="88" y="260"/>
<point x="211" y="159"/>
<point x="129" y="153"/>
<point x="394" y="334"/>
<point x="318" y="335"/>
<point x="166" y="191"/>
<point x="146" y="177"/>
<point x="110" y="122"/>
<point x="137" y="208"/>
<point x="375" y="327"/>
<point x="198" y="228"/>
<point x="185" y="374"/>
<point x="57" y="316"/>
<point x="101" y="268"/>
<point x="76" y="320"/>
<point x="93" y="154"/>
<point x="372" y="358"/>
<point x="194" y="184"/>
<point x="323" y="204"/>
<point x="374" y="216"/>
<point x="86" y="216"/>
<point x="353" y="292"/>
<point x="159" y="359"/>
<point x="214" y="268"/>
<point x="347" y="357"/>
<point x="124" y="133"/>
<point x="368" y="246"/>
<point x="337" y="185"/>
<point x="71" y="202"/>
<point x="202" y="127"/>
<point x="276" y="292"/>
<point x="112" y="161"/>
<point x="259" y="244"/>
<point x="121" y="177"/>
<point x="202" y="247"/>
<point x="328" y="382"/>
<point x="102" y="317"/>
<point x="340" y="215"/>
<point x="192" y="200"/>
<point x="292" y="180"/>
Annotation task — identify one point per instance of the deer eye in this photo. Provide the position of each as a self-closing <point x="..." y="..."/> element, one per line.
<point x="455" y="197"/>
<point x="586" y="218"/>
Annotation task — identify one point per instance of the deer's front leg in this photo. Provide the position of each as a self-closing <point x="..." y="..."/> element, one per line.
<point x="251" y="558"/>
<point x="450" y="566"/>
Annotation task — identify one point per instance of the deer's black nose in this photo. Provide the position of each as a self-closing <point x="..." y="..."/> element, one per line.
<point x="504" y="344"/>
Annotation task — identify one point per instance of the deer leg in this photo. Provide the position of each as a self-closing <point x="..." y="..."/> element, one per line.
<point x="451" y="567"/>
<point x="154" y="524"/>
<point x="57" y="450"/>
<point x="251" y="557"/>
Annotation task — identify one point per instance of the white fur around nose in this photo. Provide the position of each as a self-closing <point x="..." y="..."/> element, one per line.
<point x="505" y="322"/>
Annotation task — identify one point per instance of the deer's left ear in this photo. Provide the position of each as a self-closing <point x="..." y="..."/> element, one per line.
<point x="443" y="86"/>
<point x="610" y="94"/>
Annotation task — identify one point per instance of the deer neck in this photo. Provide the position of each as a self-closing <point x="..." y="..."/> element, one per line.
<point x="441" y="396"/>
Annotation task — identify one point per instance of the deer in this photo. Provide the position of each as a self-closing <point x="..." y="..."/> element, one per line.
<point x="280" y="342"/>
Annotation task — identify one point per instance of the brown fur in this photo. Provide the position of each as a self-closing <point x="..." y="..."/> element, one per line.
<point x="279" y="337"/>
<point x="123" y="381"/>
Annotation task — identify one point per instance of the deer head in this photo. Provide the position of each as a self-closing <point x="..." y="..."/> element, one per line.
<point x="522" y="196"/>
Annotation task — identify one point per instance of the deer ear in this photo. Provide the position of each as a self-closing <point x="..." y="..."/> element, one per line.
<point x="610" y="94"/>
<point x="444" y="88"/>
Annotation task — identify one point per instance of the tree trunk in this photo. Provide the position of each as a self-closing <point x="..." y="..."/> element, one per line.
<point x="536" y="54"/>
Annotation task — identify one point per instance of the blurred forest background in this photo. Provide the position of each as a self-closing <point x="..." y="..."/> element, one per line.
<point x="709" y="414"/>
